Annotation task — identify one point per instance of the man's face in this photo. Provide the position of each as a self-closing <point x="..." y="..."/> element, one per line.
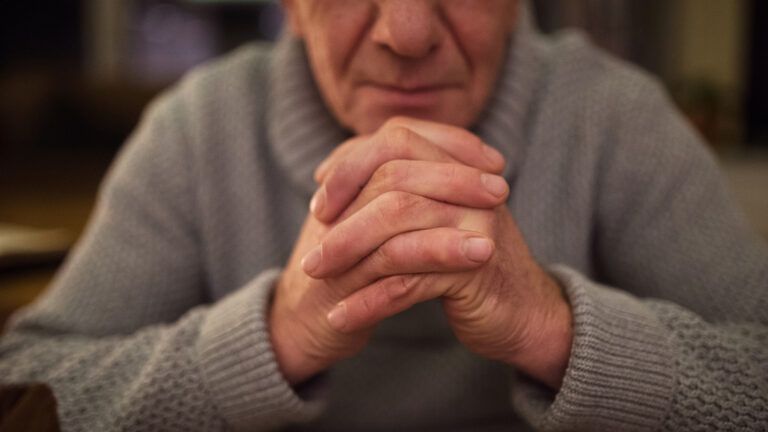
<point x="430" y="59"/>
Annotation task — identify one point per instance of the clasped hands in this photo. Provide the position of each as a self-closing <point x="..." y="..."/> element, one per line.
<point x="413" y="212"/>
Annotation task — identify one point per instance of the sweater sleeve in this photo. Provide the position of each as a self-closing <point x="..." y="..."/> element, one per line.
<point x="126" y="335"/>
<point x="675" y="335"/>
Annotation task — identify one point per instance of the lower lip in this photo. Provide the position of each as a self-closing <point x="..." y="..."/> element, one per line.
<point x="420" y="98"/>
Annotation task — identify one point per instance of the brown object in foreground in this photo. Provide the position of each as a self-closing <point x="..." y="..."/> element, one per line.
<point x="27" y="407"/>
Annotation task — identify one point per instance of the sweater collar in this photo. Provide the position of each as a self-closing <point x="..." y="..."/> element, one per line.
<point x="302" y="131"/>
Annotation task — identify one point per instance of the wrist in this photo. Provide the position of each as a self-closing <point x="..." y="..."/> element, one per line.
<point x="291" y="361"/>
<point x="547" y="349"/>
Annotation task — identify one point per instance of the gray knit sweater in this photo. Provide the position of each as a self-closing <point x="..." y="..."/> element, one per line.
<point x="157" y="319"/>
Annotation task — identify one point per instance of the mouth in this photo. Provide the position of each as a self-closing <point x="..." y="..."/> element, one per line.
<point x="415" y="88"/>
<point x="410" y="96"/>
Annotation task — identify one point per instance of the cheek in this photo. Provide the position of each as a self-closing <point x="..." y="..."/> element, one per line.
<point x="332" y="38"/>
<point x="482" y="35"/>
<point x="481" y="28"/>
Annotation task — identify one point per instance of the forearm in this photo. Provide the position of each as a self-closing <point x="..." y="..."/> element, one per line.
<point x="211" y="369"/>
<point x="640" y="364"/>
<point x="128" y="382"/>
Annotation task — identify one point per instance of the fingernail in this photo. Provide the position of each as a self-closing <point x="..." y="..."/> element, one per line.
<point x="318" y="201"/>
<point x="477" y="249"/>
<point x="493" y="155"/>
<point x="311" y="261"/>
<point x="320" y="170"/>
<point x="494" y="184"/>
<point x="337" y="317"/>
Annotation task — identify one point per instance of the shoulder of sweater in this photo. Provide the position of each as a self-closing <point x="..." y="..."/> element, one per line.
<point x="612" y="102"/>
<point x="638" y="128"/>
<point x="229" y="82"/>
<point x="622" y="114"/>
<point x="576" y="66"/>
<point x="219" y="101"/>
<point x="248" y="62"/>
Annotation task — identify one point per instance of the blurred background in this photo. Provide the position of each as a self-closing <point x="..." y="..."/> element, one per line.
<point x="76" y="74"/>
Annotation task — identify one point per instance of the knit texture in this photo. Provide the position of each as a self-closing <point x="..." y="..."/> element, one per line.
<point x="158" y="319"/>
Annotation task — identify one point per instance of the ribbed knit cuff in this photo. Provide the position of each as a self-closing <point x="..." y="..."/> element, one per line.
<point x="239" y="365"/>
<point x="620" y="374"/>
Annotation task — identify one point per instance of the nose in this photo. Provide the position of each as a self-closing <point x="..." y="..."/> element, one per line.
<point x="409" y="28"/>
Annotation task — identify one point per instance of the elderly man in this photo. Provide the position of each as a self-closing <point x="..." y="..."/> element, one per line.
<point x="506" y="232"/>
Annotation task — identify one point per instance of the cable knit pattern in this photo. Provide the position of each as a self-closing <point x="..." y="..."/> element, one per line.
<point x="159" y="318"/>
<point x="715" y="366"/>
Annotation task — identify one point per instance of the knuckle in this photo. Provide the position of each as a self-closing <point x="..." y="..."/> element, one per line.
<point x="412" y="281"/>
<point x="386" y="258"/>
<point x="367" y="306"/>
<point x="453" y="177"/>
<point x="396" y="204"/>
<point x="447" y="253"/>
<point x="390" y="175"/>
<point x="422" y="251"/>
<point x="396" y="121"/>
<point x="336" y="247"/>
<point x="401" y="285"/>
<point x="339" y="174"/>
<point x="397" y="142"/>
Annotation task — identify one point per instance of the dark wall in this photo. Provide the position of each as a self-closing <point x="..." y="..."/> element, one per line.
<point x="757" y="77"/>
<point x="36" y="30"/>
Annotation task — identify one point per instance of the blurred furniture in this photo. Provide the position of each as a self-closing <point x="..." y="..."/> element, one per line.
<point x="28" y="408"/>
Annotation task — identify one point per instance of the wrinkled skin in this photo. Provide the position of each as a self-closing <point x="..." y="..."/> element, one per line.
<point x="401" y="239"/>
<point x="412" y="208"/>
<point x="429" y="59"/>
